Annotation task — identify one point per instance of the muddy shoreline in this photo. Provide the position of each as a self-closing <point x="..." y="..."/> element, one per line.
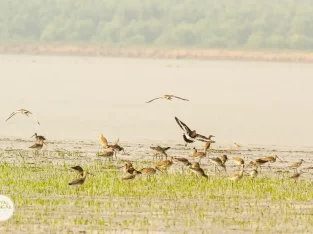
<point x="159" y="53"/>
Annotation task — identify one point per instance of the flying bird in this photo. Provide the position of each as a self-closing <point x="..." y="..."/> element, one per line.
<point x="190" y="136"/>
<point x="168" y="97"/>
<point x="24" y="112"/>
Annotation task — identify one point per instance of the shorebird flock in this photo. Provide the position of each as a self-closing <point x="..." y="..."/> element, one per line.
<point x="193" y="164"/>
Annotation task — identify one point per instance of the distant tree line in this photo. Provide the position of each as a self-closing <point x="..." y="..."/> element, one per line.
<point x="264" y="24"/>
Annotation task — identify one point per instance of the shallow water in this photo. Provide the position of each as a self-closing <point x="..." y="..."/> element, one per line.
<point x="80" y="97"/>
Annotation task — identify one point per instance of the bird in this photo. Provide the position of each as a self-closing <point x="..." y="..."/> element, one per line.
<point x="105" y="145"/>
<point x="197" y="154"/>
<point x="236" y="177"/>
<point x="190" y="136"/>
<point x="164" y="164"/>
<point x="129" y="168"/>
<point x="24" y="112"/>
<point x="296" y="176"/>
<point x="159" y="150"/>
<point x="195" y="168"/>
<point x="239" y="161"/>
<point x="217" y="163"/>
<point x="103" y="140"/>
<point x="257" y="163"/>
<point x="296" y="165"/>
<point x="80" y="181"/>
<point x="147" y="171"/>
<point x="130" y="177"/>
<point x="237" y="145"/>
<point x="183" y="161"/>
<point x="79" y="169"/>
<point x="108" y="153"/>
<point x="115" y="146"/>
<point x="224" y="158"/>
<point x="39" y="138"/>
<point x="270" y="159"/>
<point x="168" y="97"/>
<point x="253" y="173"/>
<point x="37" y="145"/>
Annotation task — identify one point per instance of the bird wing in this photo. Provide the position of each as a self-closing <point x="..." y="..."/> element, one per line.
<point x="186" y="139"/>
<point x="154" y="99"/>
<point x="180" y="98"/>
<point x="103" y="141"/>
<point x="13" y="113"/>
<point x="34" y="117"/>
<point x="183" y="126"/>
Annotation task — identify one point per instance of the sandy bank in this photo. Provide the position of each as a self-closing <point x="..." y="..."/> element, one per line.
<point x="201" y="54"/>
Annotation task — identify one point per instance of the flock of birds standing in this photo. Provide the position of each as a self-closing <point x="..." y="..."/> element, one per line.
<point x="189" y="136"/>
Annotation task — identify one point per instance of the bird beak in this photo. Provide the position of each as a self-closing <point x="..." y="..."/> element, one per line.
<point x="32" y="136"/>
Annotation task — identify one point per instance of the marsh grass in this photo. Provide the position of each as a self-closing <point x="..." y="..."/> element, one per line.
<point x="172" y="202"/>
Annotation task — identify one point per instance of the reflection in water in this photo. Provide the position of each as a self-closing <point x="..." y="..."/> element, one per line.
<point x="81" y="97"/>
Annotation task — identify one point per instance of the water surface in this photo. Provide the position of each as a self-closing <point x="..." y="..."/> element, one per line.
<point x="80" y="97"/>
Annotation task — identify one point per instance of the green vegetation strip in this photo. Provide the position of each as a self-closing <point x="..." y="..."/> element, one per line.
<point x="173" y="202"/>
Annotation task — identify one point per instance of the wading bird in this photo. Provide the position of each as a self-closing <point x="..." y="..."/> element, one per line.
<point x="195" y="168"/>
<point x="198" y="154"/>
<point x="129" y="168"/>
<point x="164" y="164"/>
<point x="158" y="150"/>
<point x="224" y="158"/>
<point x="271" y="159"/>
<point x="257" y="163"/>
<point x="79" y="169"/>
<point x="115" y="146"/>
<point x="24" y="112"/>
<point x="239" y="161"/>
<point x="108" y="153"/>
<point x="184" y="161"/>
<point x="39" y="138"/>
<point x="296" y="176"/>
<point x="130" y="177"/>
<point x="37" y="145"/>
<point x="217" y="162"/>
<point x="236" y="177"/>
<point x="296" y="165"/>
<point x="80" y="181"/>
<point x="168" y="97"/>
<point x="147" y="171"/>
<point x="190" y="136"/>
